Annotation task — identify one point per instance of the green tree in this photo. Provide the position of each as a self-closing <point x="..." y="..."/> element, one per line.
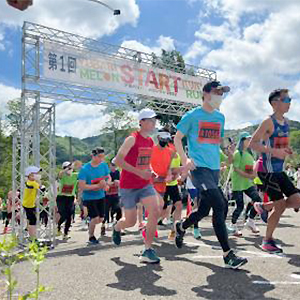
<point x="5" y="164"/>
<point x="120" y="124"/>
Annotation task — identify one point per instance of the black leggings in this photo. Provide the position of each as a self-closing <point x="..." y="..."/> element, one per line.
<point x="212" y="198"/>
<point x="112" y="206"/>
<point x="239" y="199"/>
<point x="65" y="209"/>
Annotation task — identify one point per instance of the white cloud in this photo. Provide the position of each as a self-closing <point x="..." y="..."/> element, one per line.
<point x="7" y="93"/>
<point x="213" y="33"/>
<point x="163" y="42"/>
<point x="79" y="120"/>
<point x="254" y="49"/>
<point x="197" y="49"/>
<point x="77" y="16"/>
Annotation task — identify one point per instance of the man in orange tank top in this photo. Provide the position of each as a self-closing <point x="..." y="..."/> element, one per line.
<point x="136" y="182"/>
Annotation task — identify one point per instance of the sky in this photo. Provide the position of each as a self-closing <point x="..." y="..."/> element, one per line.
<point x="253" y="45"/>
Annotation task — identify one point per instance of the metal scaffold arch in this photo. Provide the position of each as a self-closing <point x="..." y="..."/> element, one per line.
<point x="60" y="66"/>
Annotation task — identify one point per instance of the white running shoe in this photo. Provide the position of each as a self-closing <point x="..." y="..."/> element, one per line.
<point x="235" y="231"/>
<point x="250" y="224"/>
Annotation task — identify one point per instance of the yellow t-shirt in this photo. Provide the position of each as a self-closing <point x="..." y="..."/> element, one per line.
<point x="175" y="163"/>
<point x="30" y="192"/>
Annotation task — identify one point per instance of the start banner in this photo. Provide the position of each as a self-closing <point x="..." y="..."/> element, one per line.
<point x="89" y="68"/>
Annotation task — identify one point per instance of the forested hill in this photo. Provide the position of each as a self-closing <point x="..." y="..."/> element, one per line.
<point x="81" y="148"/>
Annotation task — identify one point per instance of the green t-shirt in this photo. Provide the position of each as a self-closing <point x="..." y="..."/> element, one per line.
<point x="223" y="157"/>
<point x="68" y="185"/>
<point x="244" y="163"/>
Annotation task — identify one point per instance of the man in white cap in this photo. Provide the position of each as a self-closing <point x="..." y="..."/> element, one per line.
<point x="32" y="185"/>
<point x="135" y="182"/>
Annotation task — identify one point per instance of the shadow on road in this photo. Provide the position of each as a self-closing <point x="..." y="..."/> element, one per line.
<point x="132" y="277"/>
<point x="230" y="284"/>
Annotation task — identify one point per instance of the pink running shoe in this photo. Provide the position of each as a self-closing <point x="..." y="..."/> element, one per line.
<point x="270" y="246"/>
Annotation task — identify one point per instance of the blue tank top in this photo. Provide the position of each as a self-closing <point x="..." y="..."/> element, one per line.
<point x="278" y="139"/>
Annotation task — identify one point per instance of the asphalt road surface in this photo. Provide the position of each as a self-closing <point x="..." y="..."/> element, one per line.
<point x="77" y="271"/>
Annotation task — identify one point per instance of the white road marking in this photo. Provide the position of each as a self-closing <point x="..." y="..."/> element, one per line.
<point x="296" y="276"/>
<point x="276" y="282"/>
<point x="255" y="254"/>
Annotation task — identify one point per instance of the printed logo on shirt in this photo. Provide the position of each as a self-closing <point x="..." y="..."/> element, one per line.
<point x="249" y="169"/>
<point x="281" y="142"/>
<point x="209" y="132"/>
<point x="143" y="160"/>
<point x="67" y="188"/>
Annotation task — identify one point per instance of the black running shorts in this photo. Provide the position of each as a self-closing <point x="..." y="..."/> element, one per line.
<point x="96" y="208"/>
<point x="277" y="185"/>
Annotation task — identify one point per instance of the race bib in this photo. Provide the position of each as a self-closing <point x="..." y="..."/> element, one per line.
<point x="67" y="189"/>
<point x="143" y="160"/>
<point x="281" y="142"/>
<point x="249" y="169"/>
<point x="209" y="133"/>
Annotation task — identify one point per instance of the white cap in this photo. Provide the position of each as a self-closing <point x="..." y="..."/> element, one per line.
<point x="146" y="113"/>
<point x="32" y="169"/>
<point x="164" y="135"/>
<point x="66" y="164"/>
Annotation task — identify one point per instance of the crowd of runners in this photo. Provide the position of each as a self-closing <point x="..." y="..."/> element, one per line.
<point x="145" y="182"/>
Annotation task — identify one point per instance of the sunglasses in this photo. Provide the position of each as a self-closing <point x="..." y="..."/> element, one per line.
<point x="286" y="100"/>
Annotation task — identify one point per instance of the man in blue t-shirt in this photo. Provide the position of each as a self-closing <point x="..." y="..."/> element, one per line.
<point x="93" y="181"/>
<point x="204" y="129"/>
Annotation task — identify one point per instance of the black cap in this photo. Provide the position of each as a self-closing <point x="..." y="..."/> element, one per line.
<point x="215" y="84"/>
<point x="98" y="150"/>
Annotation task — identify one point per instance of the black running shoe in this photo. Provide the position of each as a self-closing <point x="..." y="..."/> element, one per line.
<point x="93" y="241"/>
<point x="234" y="262"/>
<point x="179" y="234"/>
<point x="116" y="236"/>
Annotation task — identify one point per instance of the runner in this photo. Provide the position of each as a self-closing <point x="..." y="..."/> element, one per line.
<point x="112" y="201"/>
<point x="32" y="186"/>
<point x="135" y="183"/>
<point x="204" y="128"/>
<point x="242" y="183"/>
<point x="67" y="187"/>
<point x="172" y="195"/>
<point x="9" y="209"/>
<point x="160" y="163"/>
<point x="93" y="179"/>
<point x="274" y="131"/>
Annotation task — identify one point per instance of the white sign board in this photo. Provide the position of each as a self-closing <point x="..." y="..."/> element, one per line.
<point x="63" y="63"/>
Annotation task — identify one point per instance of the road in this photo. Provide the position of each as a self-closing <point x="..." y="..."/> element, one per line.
<point x="77" y="271"/>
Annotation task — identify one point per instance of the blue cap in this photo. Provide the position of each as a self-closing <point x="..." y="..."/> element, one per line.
<point x="244" y="135"/>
